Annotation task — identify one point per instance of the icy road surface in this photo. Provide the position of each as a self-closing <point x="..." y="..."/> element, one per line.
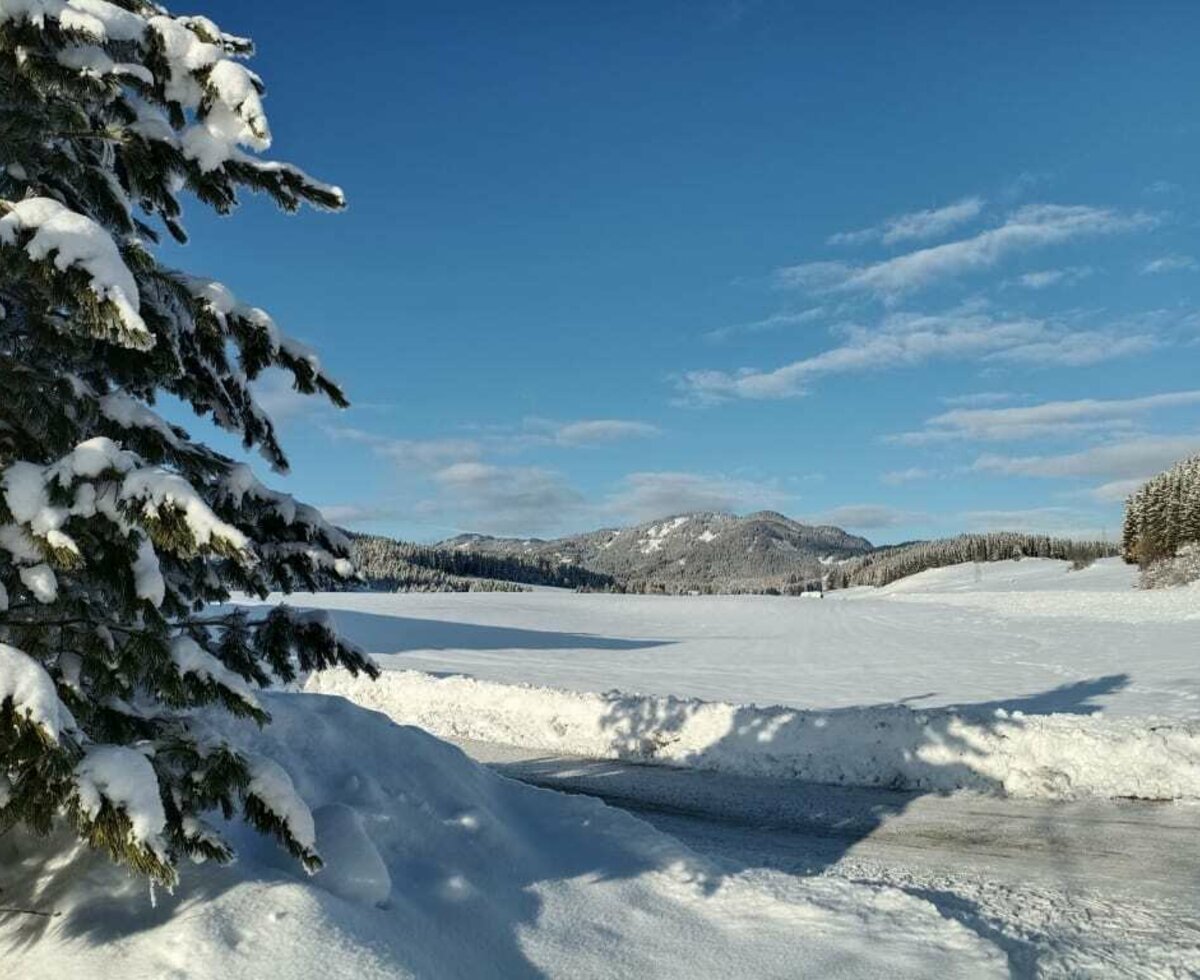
<point x="1092" y="888"/>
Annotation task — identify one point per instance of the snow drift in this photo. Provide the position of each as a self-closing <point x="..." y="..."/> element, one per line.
<point x="1057" y="756"/>
<point x="437" y="867"/>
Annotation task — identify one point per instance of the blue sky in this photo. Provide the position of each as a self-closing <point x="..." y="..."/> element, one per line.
<point x="914" y="269"/>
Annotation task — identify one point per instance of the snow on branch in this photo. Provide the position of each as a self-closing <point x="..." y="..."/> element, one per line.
<point x="25" y="683"/>
<point x="52" y="229"/>
<point x="191" y="658"/>
<point x="125" y="779"/>
<point x="112" y="482"/>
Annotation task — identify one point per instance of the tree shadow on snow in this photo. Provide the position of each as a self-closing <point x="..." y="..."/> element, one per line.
<point x="383" y="635"/>
<point x="802" y="825"/>
<point x="473" y="881"/>
<point x="466" y="852"/>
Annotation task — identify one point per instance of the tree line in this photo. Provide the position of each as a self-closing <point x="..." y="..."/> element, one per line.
<point x="400" y="566"/>
<point x="888" y="565"/>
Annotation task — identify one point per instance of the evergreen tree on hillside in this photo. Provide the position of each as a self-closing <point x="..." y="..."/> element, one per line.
<point x="1163" y="515"/>
<point x="118" y="532"/>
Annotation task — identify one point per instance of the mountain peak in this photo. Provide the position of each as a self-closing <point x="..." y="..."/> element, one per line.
<point x="704" y="550"/>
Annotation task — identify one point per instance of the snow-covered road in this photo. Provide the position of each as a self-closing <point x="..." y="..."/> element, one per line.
<point x="1085" y="888"/>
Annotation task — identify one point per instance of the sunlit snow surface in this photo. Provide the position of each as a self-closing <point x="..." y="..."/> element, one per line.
<point x="1028" y="635"/>
<point x="441" y="869"/>
<point x="1019" y="679"/>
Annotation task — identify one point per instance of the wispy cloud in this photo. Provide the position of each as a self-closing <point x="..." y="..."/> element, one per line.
<point x="1047" y="420"/>
<point x="912" y="474"/>
<point x="1115" y="490"/>
<point x="649" y="496"/>
<point x="417" y="455"/>
<point x="916" y="225"/>
<point x="1064" y="522"/>
<point x="977" y="398"/>
<point x="1031" y="226"/>
<point x="422" y="455"/>
<point x="1126" y="460"/>
<point x="908" y="339"/>
<point x="591" y="432"/>
<point x="349" y="515"/>
<point x="868" y="517"/>
<point x="502" y="499"/>
<point x="776" y="321"/>
<point x="275" y="393"/>
<point x="1170" y="263"/>
<point x="1045" y="278"/>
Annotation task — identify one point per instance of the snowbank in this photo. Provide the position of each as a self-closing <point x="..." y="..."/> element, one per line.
<point x="1056" y="756"/>
<point x="439" y="868"/>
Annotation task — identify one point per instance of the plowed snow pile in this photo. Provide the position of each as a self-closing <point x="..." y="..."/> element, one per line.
<point x="436" y="867"/>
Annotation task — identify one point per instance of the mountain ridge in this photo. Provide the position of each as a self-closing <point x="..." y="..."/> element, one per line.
<point x="699" y="550"/>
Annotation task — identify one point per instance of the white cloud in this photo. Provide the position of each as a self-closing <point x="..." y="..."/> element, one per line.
<point x="418" y="455"/>
<point x="1170" y="263"/>
<point x="913" y="473"/>
<point x="502" y="499"/>
<point x="908" y="339"/>
<point x="1031" y="226"/>
<point x="866" y="517"/>
<point x="1162" y="187"/>
<point x="1063" y="522"/>
<point x="1044" y="278"/>
<point x="649" y="496"/>
<point x="1115" y="491"/>
<point x="775" y="321"/>
<point x="423" y="455"/>
<point x="978" y="398"/>
<point x="345" y="515"/>
<point x="590" y="432"/>
<point x="1049" y="419"/>
<point x="816" y="277"/>
<point x="1126" y="460"/>
<point x="916" y="225"/>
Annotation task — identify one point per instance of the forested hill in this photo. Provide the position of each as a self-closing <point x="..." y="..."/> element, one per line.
<point x="701" y="552"/>
<point x="706" y="553"/>
<point x="887" y="565"/>
<point x="400" y="566"/>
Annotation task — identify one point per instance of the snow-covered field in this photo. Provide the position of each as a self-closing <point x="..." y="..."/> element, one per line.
<point x="1029" y="636"/>
<point x="1031" y="681"/>
<point x="1022" y="678"/>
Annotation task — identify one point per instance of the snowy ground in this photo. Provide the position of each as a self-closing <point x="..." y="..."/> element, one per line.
<point x="438" y="868"/>
<point x="1029" y="636"/>
<point x="1071" y="689"/>
<point x="1092" y="888"/>
<point x="1032" y="682"/>
<point x="1026" y="683"/>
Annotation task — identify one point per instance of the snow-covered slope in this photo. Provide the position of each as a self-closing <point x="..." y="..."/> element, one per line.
<point x="692" y="550"/>
<point x="438" y="868"/>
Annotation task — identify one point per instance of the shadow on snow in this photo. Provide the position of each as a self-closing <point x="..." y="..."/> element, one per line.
<point x="799" y="826"/>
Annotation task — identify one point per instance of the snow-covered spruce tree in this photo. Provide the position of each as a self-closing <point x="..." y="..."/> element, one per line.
<point x="1163" y="515"/>
<point x="119" y="535"/>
